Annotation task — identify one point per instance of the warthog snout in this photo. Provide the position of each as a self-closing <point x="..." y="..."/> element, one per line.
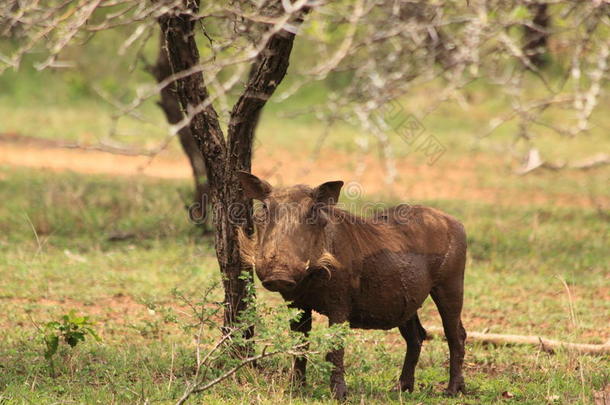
<point x="279" y="284"/>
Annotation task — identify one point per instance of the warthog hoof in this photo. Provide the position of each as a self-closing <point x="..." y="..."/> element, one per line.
<point x="453" y="389"/>
<point x="298" y="380"/>
<point x="403" y="386"/>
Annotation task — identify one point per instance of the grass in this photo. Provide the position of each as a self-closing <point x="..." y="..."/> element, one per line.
<point x="115" y="249"/>
<point x="57" y="252"/>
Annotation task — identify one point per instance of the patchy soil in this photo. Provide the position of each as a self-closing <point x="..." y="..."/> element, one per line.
<point x="123" y="310"/>
<point x="120" y="315"/>
<point x="118" y="308"/>
<point x="457" y="179"/>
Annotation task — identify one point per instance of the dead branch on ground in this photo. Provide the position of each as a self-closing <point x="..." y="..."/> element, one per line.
<point x="547" y="345"/>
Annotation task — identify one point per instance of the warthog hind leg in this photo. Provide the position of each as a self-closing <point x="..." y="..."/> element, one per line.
<point x="414" y="334"/>
<point x="448" y="300"/>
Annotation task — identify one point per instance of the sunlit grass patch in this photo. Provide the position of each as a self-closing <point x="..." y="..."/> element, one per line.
<point x="57" y="253"/>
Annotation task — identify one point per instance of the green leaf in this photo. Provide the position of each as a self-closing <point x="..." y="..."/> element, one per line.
<point x="52" y="341"/>
<point x="79" y="320"/>
<point x="91" y="332"/>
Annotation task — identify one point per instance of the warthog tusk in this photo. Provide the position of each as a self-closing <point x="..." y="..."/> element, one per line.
<point x="328" y="271"/>
<point x="320" y="266"/>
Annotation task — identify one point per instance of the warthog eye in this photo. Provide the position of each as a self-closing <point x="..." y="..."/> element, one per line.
<point x="316" y="216"/>
<point x="261" y="213"/>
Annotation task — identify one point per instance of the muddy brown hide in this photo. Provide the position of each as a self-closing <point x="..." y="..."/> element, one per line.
<point x="374" y="273"/>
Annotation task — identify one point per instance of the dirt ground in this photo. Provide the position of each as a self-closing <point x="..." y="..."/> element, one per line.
<point x="455" y="179"/>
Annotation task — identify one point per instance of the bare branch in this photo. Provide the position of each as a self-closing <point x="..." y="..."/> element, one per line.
<point x="547" y="345"/>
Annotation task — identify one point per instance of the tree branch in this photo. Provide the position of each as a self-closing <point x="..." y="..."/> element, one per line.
<point x="266" y="74"/>
<point x="547" y="345"/>
<point x="195" y="388"/>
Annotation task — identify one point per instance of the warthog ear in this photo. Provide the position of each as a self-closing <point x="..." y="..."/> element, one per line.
<point x="253" y="186"/>
<point x="328" y="193"/>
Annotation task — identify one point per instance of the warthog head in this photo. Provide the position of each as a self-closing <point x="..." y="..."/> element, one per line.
<point x="290" y="231"/>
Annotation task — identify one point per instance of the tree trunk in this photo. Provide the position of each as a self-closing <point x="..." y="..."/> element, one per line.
<point x="536" y="36"/>
<point x="170" y="105"/>
<point x="224" y="158"/>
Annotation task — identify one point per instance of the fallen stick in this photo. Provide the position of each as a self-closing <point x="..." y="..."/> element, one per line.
<point x="547" y="345"/>
<point x="535" y="162"/>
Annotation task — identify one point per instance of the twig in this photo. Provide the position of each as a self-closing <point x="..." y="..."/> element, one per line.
<point x="570" y="301"/>
<point x="171" y="368"/>
<point x="535" y="162"/>
<point x="50" y="143"/>
<point x="38" y="242"/>
<point x="198" y="387"/>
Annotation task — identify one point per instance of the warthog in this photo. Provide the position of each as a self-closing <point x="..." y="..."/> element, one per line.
<point x="374" y="273"/>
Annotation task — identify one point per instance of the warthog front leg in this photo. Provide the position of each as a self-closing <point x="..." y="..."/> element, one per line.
<point x="337" y="378"/>
<point x="303" y="325"/>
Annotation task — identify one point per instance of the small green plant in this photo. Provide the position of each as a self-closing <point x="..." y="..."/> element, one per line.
<point x="71" y="329"/>
<point x="221" y="350"/>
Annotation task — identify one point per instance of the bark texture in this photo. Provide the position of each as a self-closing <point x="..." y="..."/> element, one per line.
<point x="170" y="105"/>
<point x="223" y="158"/>
<point x="536" y="36"/>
